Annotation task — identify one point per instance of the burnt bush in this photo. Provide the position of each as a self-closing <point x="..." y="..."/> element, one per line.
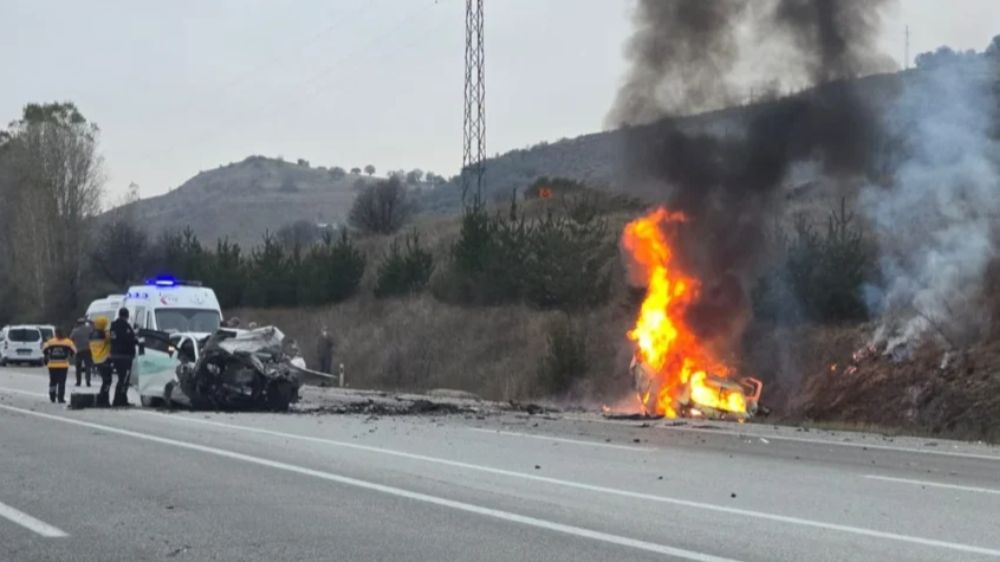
<point x="405" y="269"/>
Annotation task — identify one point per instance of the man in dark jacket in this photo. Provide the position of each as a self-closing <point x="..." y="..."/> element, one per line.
<point x="123" y="345"/>
<point x="324" y="350"/>
<point x="81" y="340"/>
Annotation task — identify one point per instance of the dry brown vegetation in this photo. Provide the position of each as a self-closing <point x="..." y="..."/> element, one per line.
<point x="418" y="343"/>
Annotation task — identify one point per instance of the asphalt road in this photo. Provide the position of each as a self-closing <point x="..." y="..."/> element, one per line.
<point x="141" y="484"/>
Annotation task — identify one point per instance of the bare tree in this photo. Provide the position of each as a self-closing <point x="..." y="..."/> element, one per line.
<point x="381" y="208"/>
<point x="121" y="251"/>
<point x="55" y="180"/>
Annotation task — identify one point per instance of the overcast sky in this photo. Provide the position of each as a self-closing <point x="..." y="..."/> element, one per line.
<point x="185" y="85"/>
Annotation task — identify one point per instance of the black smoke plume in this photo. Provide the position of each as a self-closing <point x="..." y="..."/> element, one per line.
<point x="727" y="177"/>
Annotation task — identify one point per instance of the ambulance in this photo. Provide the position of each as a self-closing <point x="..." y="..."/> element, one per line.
<point x="168" y="305"/>
<point x="185" y="313"/>
<point x="107" y="307"/>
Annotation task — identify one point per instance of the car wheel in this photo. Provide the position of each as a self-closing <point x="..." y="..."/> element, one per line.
<point x="151" y="402"/>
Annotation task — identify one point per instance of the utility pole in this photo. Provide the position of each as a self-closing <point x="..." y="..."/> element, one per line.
<point x="474" y="123"/>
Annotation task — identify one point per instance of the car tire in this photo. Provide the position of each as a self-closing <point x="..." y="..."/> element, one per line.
<point x="151" y="402"/>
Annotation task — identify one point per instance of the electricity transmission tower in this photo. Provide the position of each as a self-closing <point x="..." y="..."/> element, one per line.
<point x="906" y="50"/>
<point x="474" y="123"/>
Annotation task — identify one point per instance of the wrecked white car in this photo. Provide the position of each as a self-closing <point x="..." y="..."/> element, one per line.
<point x="229" y="370"/>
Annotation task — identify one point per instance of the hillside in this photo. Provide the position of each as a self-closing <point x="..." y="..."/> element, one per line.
<point x="243" y="200"/>
<point x="598" y="159"/>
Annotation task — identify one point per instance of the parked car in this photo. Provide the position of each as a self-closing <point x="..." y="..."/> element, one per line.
<point x="48" y="331"/>
<point x="21" y="344"/>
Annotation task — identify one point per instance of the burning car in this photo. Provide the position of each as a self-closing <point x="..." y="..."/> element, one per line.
<point x="702" y="395"/>
<point x="675" y="372"/>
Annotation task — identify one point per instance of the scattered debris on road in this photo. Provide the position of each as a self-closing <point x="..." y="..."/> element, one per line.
<point x="439" y="402"/>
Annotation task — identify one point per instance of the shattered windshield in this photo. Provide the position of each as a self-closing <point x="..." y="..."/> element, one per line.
<point x="187" y="320"/>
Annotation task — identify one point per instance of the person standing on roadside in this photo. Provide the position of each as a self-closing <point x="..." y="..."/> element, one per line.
<point x="123" y="345"/>
<point x="100" y="351"/>
<point x="81" y="341"/>
<point x="324" y="350"/>
<point x="58" y="352"/>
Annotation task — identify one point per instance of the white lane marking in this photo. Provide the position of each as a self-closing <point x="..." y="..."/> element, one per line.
<point x="934" y="484"/>
<point x="750" y="435"/>
<point x="391" y="490"/>
<point x="562" y="439"/>
<point x="599" y="489"/>
<point x="30" y="523"/>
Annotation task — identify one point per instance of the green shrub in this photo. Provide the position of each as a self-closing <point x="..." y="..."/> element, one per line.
<point x="556" y="261"/>
<point x="272" y="276"/>
<point x="332" y="271"/>
<point x="226" y="274"/>
<point x="567" y="263"/>
<point x="404" y="271"/>
<point x="819" y="276"/>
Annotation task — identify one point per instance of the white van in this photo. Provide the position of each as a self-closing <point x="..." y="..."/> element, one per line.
<point x="21" y="344"/>
<point x="168" y="305"/>
<point x="107" y="307"/>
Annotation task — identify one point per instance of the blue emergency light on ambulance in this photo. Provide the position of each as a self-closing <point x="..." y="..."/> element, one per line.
<point x="167" y="304"/>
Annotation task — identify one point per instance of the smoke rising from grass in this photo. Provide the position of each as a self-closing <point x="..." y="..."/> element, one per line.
<point x="934" y="222"/>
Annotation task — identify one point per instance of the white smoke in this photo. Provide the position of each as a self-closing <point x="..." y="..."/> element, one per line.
<point x="934" y="223"/>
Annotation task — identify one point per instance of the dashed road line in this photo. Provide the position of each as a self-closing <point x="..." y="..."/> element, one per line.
<point x="933" y="484"/>
<point x="32" y="524"/>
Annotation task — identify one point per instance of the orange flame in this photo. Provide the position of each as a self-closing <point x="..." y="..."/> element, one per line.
<point x="665" y="344"/>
